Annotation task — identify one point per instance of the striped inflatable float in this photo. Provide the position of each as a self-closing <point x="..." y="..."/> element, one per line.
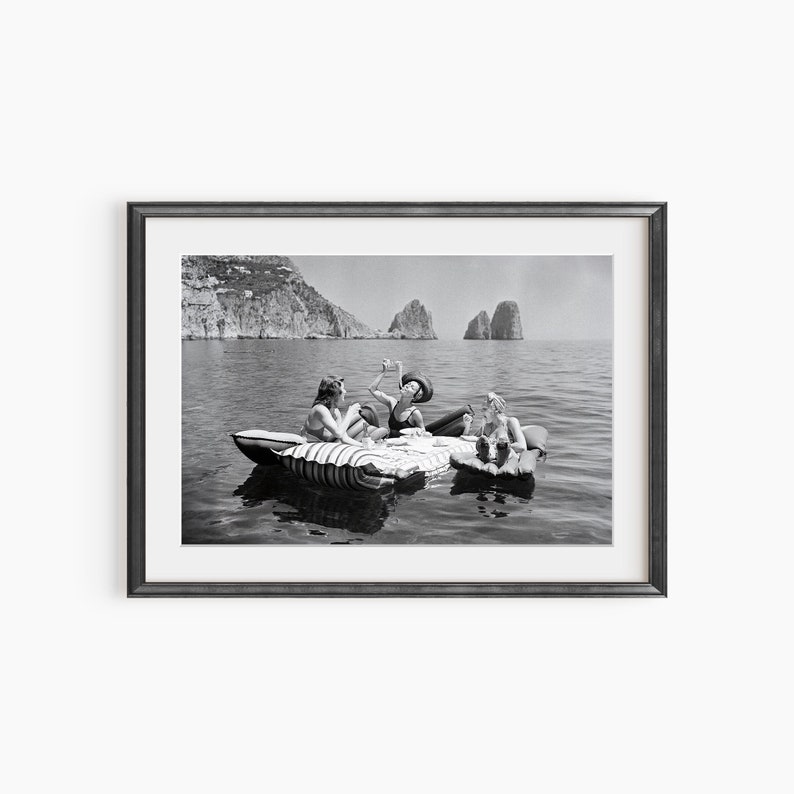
<point x="342" y="466"/>
<point x="260" y="446"/>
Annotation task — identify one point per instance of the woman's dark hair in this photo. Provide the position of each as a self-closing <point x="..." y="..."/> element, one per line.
<point x="329" y="392"/>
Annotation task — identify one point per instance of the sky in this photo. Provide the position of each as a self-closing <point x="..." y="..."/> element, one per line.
<point x="558" y="297"/>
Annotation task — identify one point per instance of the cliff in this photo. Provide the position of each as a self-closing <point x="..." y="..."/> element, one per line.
<point x="506" y="322"/>
<point x="479" y="327"/>
<point x="264" y="297"/>
<point x="413" y="322"/>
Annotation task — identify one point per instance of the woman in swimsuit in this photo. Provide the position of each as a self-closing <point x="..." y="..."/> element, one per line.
<point x="402" y="412"/>
<point x="325" y="421"/>
<point x="500" y="435"/>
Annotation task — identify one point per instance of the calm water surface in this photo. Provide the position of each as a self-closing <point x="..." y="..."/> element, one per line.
<point x="242" y="384"/>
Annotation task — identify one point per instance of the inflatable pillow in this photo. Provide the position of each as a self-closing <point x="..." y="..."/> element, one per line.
<point x="260" y="445"/>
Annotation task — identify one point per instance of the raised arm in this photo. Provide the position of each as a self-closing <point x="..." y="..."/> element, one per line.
<point x="375" y="391"/>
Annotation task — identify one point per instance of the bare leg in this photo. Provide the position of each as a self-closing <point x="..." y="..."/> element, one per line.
<point x="503" y="451"/>
<point x="377" y="433"/>
<point x="483" y="449"/>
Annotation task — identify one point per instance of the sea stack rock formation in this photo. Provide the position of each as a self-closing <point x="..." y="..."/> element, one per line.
<point x="413" y="322"/>
<point x="479" y="327"/>
<point x="506" y="323"/>
<point x="260" y="297"/>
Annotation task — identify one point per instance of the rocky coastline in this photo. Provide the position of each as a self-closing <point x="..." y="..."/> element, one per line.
<point x="479" y="327"/>
<point x="413" y="322"/>
<point x="505" y="324"/>
<point x="266" y="297"/>
<point x="259" y="297"/>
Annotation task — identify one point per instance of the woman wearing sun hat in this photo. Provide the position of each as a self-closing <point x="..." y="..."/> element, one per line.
<point x="415" y="387"/>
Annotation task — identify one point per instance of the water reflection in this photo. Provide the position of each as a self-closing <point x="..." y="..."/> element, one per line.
<point x="497" y="487"/>
<point x="299" y="501"/>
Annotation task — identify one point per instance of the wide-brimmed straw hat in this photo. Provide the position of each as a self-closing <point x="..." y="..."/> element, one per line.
<point x="425" y="384"/>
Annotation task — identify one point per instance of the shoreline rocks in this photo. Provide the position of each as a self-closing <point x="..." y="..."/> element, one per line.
<point x="259" y="297"/>
<point x="479" y="327"/>
<point x="506" y="322"/>
<point x="413" y="322"/>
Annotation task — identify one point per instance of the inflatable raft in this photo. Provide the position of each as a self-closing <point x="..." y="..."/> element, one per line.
<point x="518" y="466"/>
<point x="392" y="462"/>
<point x="261" y="446"/>
<point x="411" y="458"/>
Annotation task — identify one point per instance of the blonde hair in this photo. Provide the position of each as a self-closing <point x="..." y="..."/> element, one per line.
<point x="496" y="402"/>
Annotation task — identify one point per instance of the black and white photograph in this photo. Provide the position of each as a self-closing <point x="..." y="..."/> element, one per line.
<point x="397" y="400"/>
<point x="373" y="381"/>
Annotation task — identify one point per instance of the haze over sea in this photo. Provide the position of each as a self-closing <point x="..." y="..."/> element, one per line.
<point x="269" y="384"/>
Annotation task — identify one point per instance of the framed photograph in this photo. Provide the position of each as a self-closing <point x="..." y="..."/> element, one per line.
<point x="405" y="400"/>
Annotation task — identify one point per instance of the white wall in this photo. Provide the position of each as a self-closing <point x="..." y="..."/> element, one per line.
<point x="682" y="102"/>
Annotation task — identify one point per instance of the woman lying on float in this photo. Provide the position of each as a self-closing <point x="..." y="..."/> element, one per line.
<point x="504" y="448"/>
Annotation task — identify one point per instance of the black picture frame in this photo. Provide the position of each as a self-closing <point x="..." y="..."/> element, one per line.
<point x="656" y="215"/>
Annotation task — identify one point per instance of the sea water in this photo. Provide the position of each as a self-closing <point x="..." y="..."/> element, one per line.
<point x="234" y="385"/>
